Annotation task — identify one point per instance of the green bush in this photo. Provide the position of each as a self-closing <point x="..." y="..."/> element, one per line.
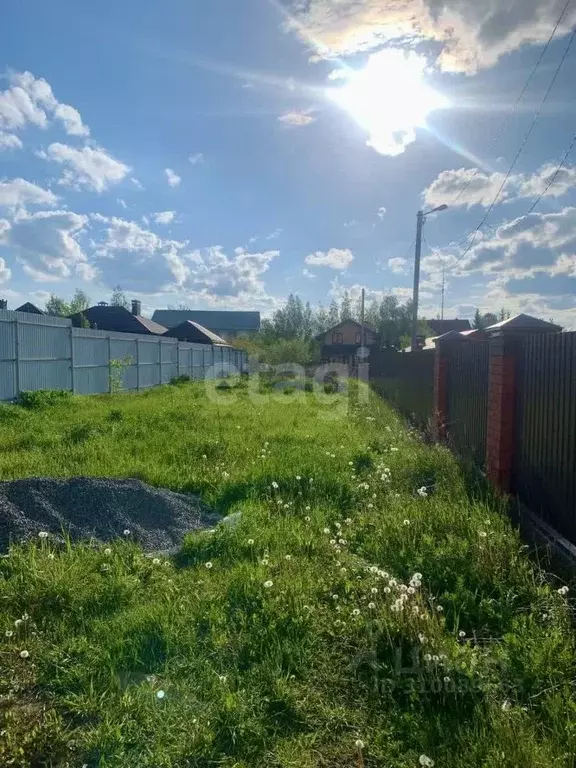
<point x="43" y="398"/>
<point x="178" y="380"/>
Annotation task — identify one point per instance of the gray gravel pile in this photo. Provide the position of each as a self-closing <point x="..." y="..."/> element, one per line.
<point x="99" y="508"/>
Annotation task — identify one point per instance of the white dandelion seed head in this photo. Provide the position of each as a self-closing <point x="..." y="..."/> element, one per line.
<point x="387" y="590"/>
<point x="426" y="761"/>
<point x="372" y="606"/>
<point x="208" y="565"/>
<point x="356" y="612"/>
<point x="8" y="633"/>
<point x="326" y="530"/>
<point x="250" y="542"/>
<point x="406" y="522"/>
<point x="268" y="584"/>
<point x="427" y="657"/>
<point x="307" y="519"/>
<point x="374" y="590"/>
<point x="288" y="557"/>
<point x="24" y="654"/>
<point x="411" y="591"/>
<point x="359" y="744"/>
<point x="461" y="634"/>
<point x="126" y="532"/>
<point x="160" y="694"/>
<point x="156" y="561"/>
<point x="482" y="534"/>
<point x="18" y="622"/>
<point x="43" y="535"/>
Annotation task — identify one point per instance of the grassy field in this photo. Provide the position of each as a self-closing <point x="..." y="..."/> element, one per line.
<point x="365" y="610"/>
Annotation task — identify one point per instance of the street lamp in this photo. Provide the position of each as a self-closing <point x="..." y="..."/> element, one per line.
<point x="420" y="218"/>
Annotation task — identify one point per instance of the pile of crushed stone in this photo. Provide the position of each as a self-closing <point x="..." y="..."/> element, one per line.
<point x="99" y="508"/>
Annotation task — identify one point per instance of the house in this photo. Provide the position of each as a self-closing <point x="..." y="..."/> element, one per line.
<point x="104" y="317"/>
<point x="195" y="334"/>
<point x="222" y="323"/>
<point x="340" y="343"/>
<point x="440" y="327"/>
<point x="30" y="309"/>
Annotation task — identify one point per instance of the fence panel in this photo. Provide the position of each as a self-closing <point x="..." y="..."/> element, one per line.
<point x="45" y="352"/>
<point x="544" y="470"/>
<point x="467" y="406"/>
<point x="407" y="380"/>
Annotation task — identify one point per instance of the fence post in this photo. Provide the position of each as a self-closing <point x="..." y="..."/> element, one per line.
<point x="160" y="358"/>
<point x="137" y="364"/>
<point x="440" y="415"/>
<point x="17" y="353"/>
<point x="109" y="364"/>
<point x="72" y="371"/>
<point x="506" y="345"/>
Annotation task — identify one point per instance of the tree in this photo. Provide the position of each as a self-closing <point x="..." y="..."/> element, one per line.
<point x="489" y="319"/>
<point x="478" y="323"/>
<point x="333" y="314"/>
<point x="57" y="306"/>
<point x="504" y="314"/>
<point x="118" y="298"/>
<point x="346" y="308"/>
<point x="79" y="303"/>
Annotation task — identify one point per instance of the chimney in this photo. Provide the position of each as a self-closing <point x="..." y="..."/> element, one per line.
<point x="3" y="304"/>
<point x="136" y="307"/>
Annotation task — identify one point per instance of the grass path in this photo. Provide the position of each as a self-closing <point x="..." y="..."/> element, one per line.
<point x="332" y="626"/>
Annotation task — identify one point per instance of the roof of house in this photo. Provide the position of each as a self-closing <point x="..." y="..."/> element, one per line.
<point x="30" y="308"/>
<point x="119" y="319"/>
<point x="345" y="322"/>
<point x="440" y="327"/>
<point x="217" y="321"/>
<point x="525" y="322"/>
<point x="194" y="333"/>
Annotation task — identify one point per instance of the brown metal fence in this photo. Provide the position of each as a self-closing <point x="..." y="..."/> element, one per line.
<point x="407" y="380"/>
<point x="544" y="467"/>
<point x="467" y="399"/>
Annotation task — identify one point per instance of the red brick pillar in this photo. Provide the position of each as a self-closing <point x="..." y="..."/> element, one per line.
<point x="504" y="351"/>
<point x="440" y="391"/>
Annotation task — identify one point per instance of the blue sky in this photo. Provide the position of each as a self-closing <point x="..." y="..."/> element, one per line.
<point x="195" y="154"/>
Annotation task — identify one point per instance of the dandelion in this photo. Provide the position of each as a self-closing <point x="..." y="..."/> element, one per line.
<point x="268" y="584"/>
<point x="411" y="591"/>
<point x="406" y="522"/>
<point x="461" y="634"/>
<point x="160" y="694"/>
<point x="326" y="530"/>
<point x="126" y="532"/>
<point x="563" y="591"/>
<point x="24" y="654"/>
<point x="427" y="657"/>
<point x="359" y="744"/>
<point x="348" y="521"/>
<point x="417" y="577"/>
<point x="439" y="608"/>
<point x="8" y="633"/>
<point x="156" y="561"/>
<point x="374" y="590"/>
<point x="343" y="542"/>
<point x="426" y="761"/>
<point x="446" y="679"/>
<point x="356" y="612"/>
<point x="107" y="551"/>
<point x="288" y="557"/>
<point x="506" y="705"/>
<point x="373" y="569"/>
<point x="18" y="623"/>
<point x="307" y="518"/>
<point x="250" y="542"/>
<point x="333" y="542"/>
<point x="105" y="568"/>
<point x="222" y="678"/>
<point x="435" y="658"/>
<point x="372" y="606"/>
<point x="51" y="556"/>
<point x="209" y="565"/>
<point x="482" y="534"/>
<point x="265" y="562"/>
<point x="422" y="638"/>
<point x="308" y="508"/>
<point x="275" y="485"/>
<point x="298" y="477"/>
<point x="43" y="535"/>
<point x="422" y="492"/>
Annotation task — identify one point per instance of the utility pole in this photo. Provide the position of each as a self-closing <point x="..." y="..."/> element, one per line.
<point x="443" y="288"/>
<point x="420" y="218"/>
<point x="418" y="255"/>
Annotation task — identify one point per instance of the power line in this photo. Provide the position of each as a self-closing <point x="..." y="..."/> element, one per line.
<point x="504" y="125"/>
<point x="519" y="152"/>
<point x="553" y="178"/>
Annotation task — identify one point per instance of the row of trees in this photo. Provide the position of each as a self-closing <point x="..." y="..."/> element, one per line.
<point x="298" y="321"/>
<point x="80" y="301"/>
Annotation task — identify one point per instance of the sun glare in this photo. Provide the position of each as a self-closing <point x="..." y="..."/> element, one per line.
<point x="389" y="98"/>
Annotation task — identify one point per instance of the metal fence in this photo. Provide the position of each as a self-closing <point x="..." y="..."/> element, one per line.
<point x="407" y="380"/>
<point x="544" y="467"/>
<point x="467" y="399"/>
<point x="44" y="352"/>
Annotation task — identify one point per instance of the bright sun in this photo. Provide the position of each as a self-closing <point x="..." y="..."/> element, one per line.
<point x="389" y="98"/>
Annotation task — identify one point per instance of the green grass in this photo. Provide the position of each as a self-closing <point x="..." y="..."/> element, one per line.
<point x="288" y="649"/>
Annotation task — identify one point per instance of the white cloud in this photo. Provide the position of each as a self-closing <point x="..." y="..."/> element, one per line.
<point x="31" y="100"/>
<point x="212" y="272"/>
<point x="71" y="120"/>
<point x="172" y="177"/>
<point x="196" y="159"/>
<point x="398" y="265"/>
<point x="121" y="202"/>
<point x="90" y="167"/>
<point x="472" y="33"/>
<point x="9" y="141"/>
<point x="19" y="192"/>
<point x="46" y="243"/>
<point x="164" y="217"/>
<point x="296" y="118"/>
<point x="310" y="275"/>
<point x="382" y="212"/>
<point x="5" y="272"/>
<point x="470" y="186"/>
<point x="335" y="258"/>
